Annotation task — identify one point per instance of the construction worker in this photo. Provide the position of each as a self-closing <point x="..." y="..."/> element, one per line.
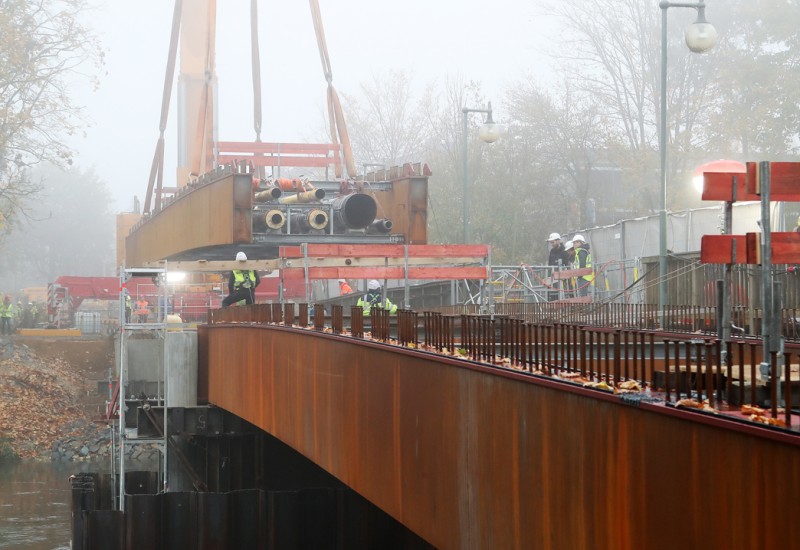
<point x="797" y="227"/>
<point x="569" y="261"/>
<point x="128" y="307"/>
<point x="374" y="298"/>
<point x="36" y="313"/>
<point x="142" y="310"/>
<point x="344" y="287"/>
<point x="556" y="259"/>
<point x="6" y="313"/>
<point x="27" y="316"/>
<point x="241" y="284"/>
<point x="583" y="258"/>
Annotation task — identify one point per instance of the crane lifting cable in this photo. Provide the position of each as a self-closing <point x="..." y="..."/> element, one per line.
<point x="335" y="114"/>
<point x="157" y="168"/>
<point x="256" y="62"/>
<point x="202" y="158"/>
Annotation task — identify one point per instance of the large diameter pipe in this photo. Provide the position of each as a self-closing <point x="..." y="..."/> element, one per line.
<point x="355" y="211"/>
<point x="318" y="219"/>
<point x="269" y="194"/>
<point x="306" y="196"/>
<point x="273" y="219"/>
<point x="303" y="222"/>
<point x="380" y="227"/>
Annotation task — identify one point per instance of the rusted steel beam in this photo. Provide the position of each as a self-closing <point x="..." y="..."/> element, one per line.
<point x="188" y="223"/>
<point x="442" y="445"/>
<point x="357" y="321"/>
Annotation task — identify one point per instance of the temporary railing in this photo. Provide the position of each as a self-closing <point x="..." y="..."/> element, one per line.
<point x="692" y="370"/>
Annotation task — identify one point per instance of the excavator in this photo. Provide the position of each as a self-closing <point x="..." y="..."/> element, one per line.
<point x="256" y="196"/>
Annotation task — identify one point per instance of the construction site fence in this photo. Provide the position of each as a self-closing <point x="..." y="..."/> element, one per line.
<point x="682" y="368"/>
<point x="613" y="281"/>
<point x="636" y="281"/>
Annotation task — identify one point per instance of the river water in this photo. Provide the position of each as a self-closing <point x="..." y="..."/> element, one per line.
<point x="35" y="502"/>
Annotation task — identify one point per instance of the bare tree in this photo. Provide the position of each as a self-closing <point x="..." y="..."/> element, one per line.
<point x="612" y="54"/>
<point x="386" y="120"/>
<point x="444" y="152"/>
<point x="68" y="231"/>
<point x="756" y="100"/>
<point x="44" y="48"/>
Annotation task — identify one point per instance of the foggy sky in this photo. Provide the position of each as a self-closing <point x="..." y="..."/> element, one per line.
<point x="491" y="42"/>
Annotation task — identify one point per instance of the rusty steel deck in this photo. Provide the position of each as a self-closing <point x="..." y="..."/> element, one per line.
<point x="214" y="211"/>
<point x="470" y="456"/>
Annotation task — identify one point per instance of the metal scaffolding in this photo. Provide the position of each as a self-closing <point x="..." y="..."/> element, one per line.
<point x="126" y="435"/>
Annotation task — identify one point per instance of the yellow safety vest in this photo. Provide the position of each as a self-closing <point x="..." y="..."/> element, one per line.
<point x="239" y="279"/>
<point x="366" y="305"/>
<point x="577" y="264"/>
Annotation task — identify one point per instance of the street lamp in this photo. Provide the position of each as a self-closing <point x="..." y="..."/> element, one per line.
<point x="489" y="133"/>
<point x="700" y="37"/>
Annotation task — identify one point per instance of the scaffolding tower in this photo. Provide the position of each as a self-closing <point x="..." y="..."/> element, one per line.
<point x="133" y="400"/>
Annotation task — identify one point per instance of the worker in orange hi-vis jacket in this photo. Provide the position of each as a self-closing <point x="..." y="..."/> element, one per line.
<point x="344" y="287"/>
<point x="142" y="310"/>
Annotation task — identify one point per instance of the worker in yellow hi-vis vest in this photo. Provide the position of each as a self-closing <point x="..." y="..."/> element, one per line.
<point x="583" y="258"/>
<point x="6" y="313"/>
<point x="241" y="284"/>
<point x="374" y="299"/>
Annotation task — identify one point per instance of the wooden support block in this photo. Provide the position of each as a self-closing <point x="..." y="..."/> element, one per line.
<point x="723" y="249"/>
<point x="397" y="273"/>
<point x="753" y="248"/>
<point x="719" y="186"/>
<point x="784" y="181"/>
<point x="386" y="250"/>
<point x="786" y="248"/>
<point x="50" y="332"/>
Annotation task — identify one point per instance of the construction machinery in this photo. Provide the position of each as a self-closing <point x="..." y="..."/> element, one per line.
<point x="257" y="196"/>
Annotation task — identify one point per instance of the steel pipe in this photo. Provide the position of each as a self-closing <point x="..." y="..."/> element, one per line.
<point x="313" y="195"/>
<point x="269" y="194"/>
<point x="355" y="211"/>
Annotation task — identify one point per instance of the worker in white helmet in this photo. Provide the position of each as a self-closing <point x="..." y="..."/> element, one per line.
<point x="242" y="283"/>
<point x="583" y="258"/>
<point x="557" y="260"/>
<point x="569" y="260"/>
<point x="374" y="298"/>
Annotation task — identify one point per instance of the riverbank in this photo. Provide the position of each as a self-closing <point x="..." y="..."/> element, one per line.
<point x="50" y="405"/>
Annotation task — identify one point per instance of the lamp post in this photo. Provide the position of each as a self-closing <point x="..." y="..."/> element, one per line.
<point x="489" y="133"/>
<point x="700" y="37"/>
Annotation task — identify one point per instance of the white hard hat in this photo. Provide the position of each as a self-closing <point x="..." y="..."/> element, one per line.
<point x="373" y="285"/>
<point x="569" y="245"/>
<point x="241" y="257"/>
<point x="578" y="237"/>
<point x="553" y="237"/>
<point x="342" y="281"/>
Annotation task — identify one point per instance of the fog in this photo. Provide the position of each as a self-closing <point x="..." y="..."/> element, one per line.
<point x="493" y="43"/>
